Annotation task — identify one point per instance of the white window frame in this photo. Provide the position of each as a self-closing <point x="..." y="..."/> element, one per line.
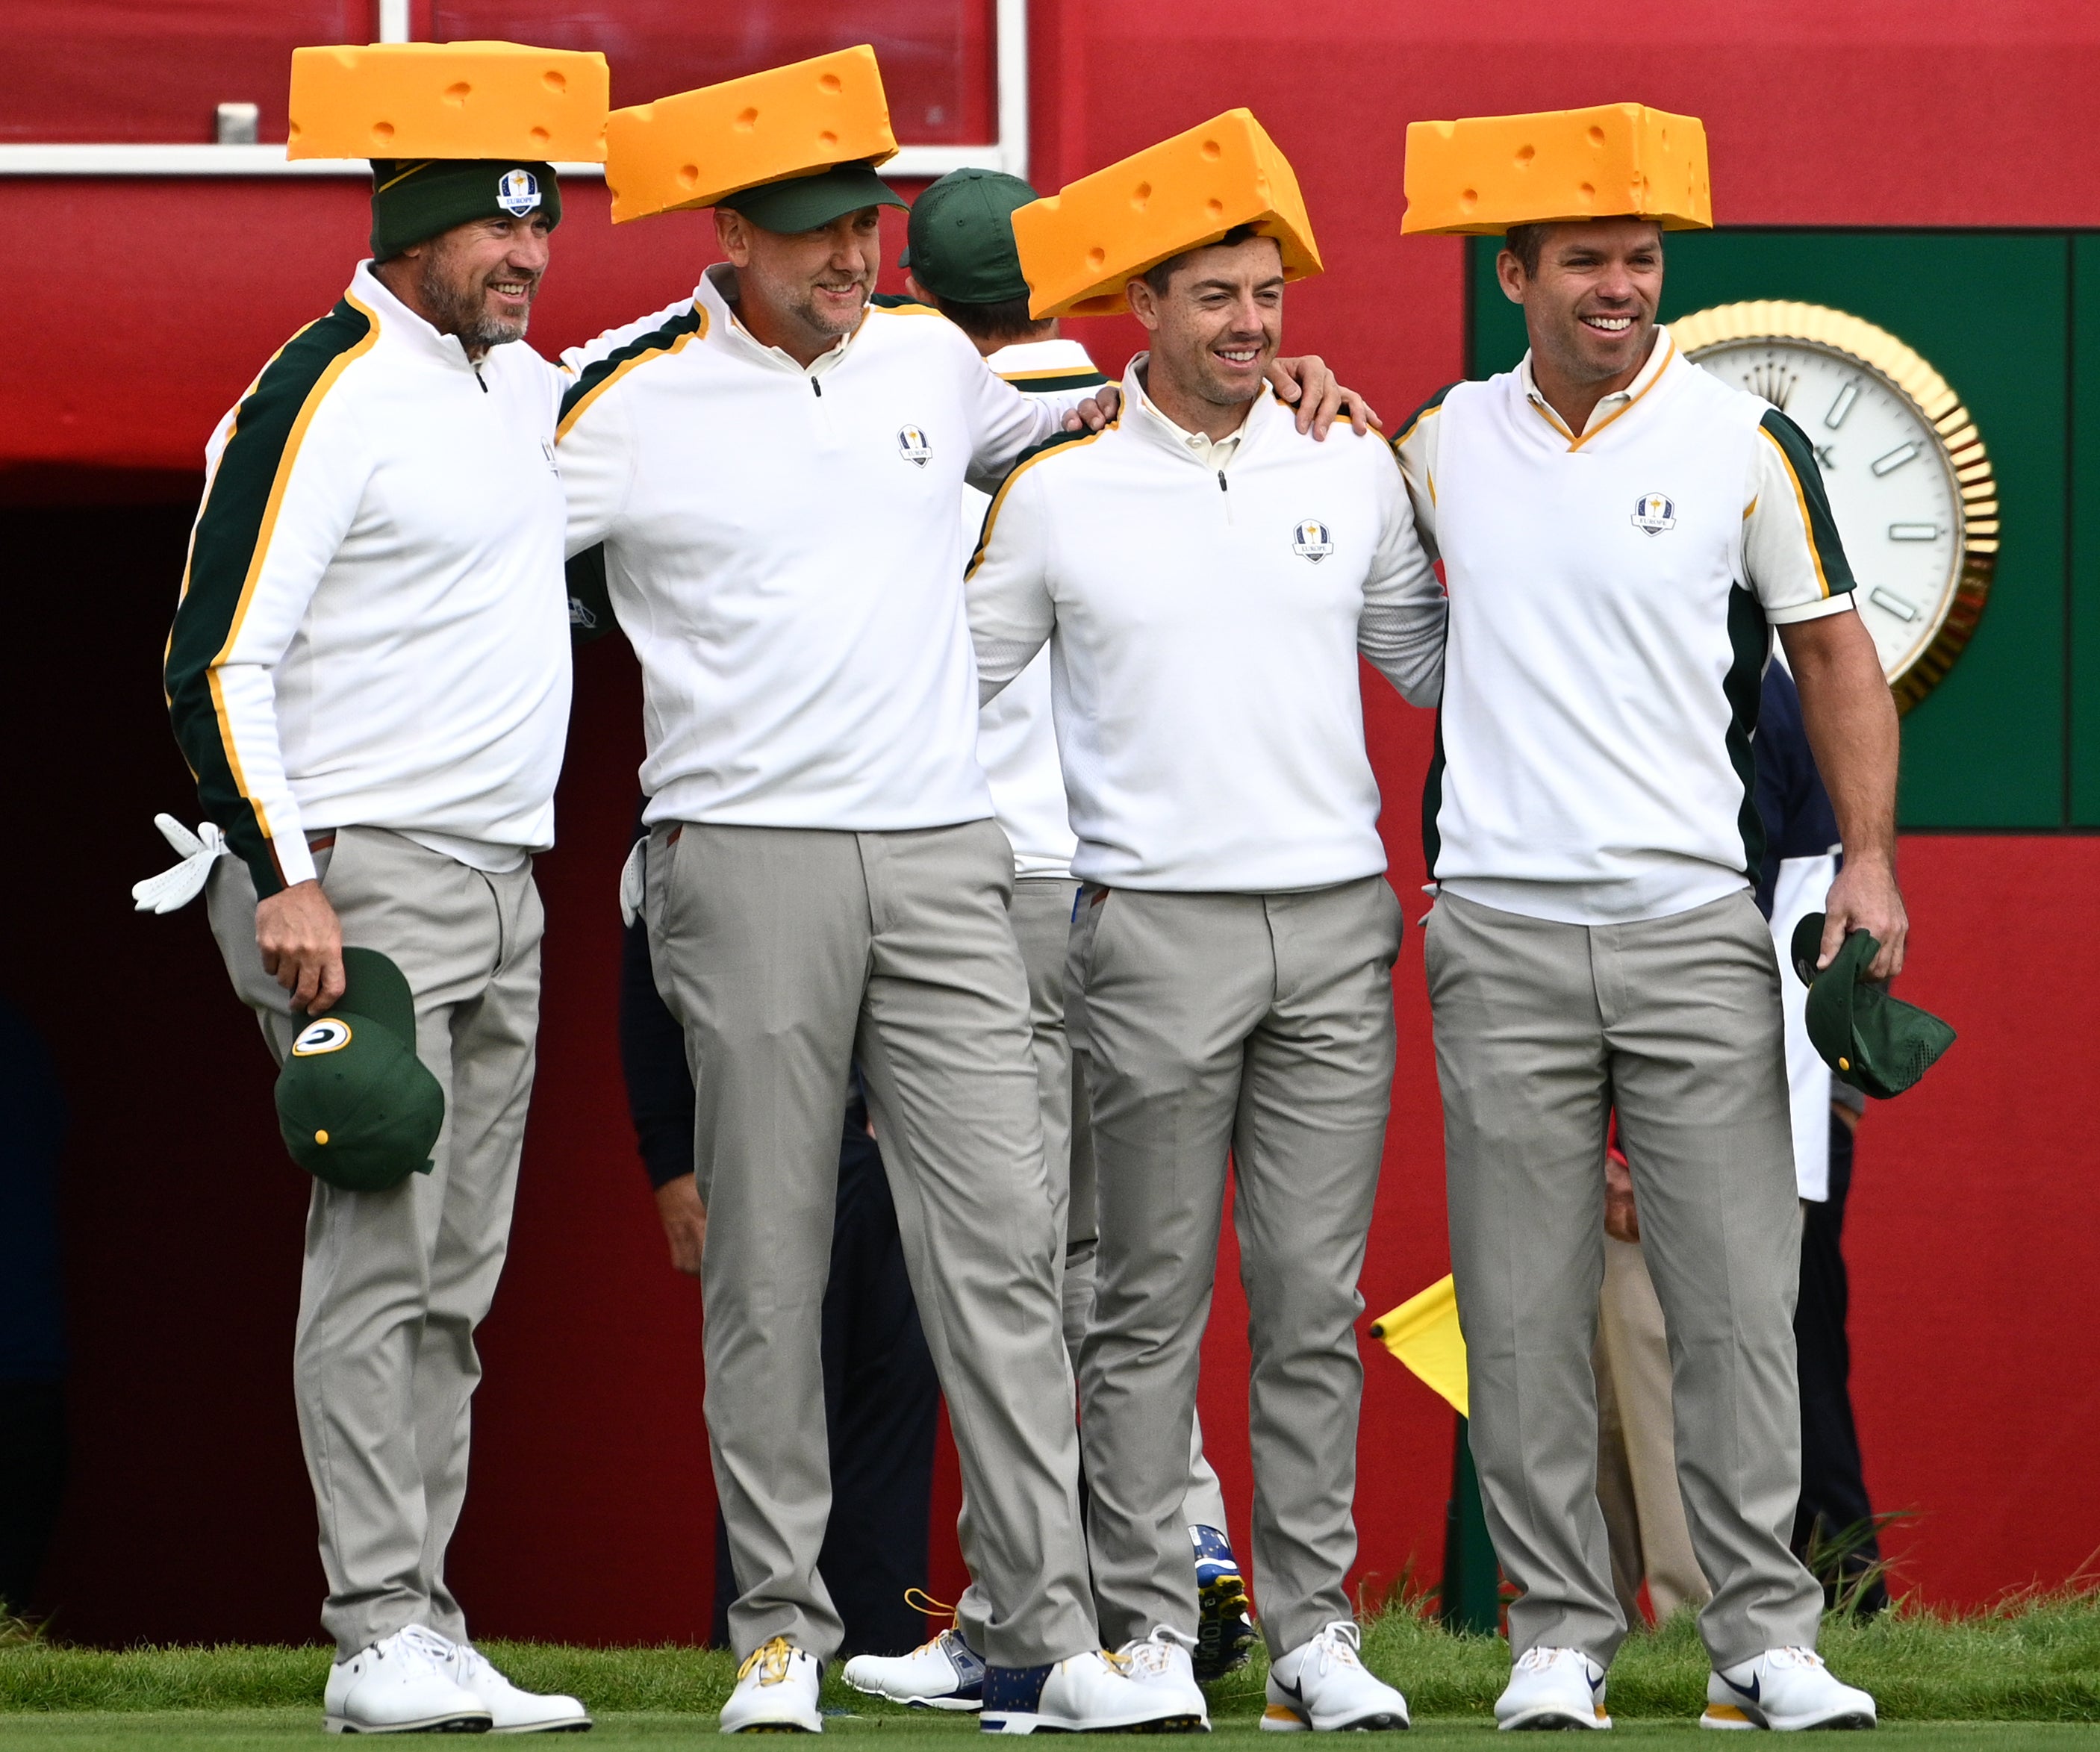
<point x="1008" y="151"/>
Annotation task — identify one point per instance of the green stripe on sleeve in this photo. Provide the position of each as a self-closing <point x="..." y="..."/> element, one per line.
<point x="690" y="321"/>
<point x="224" y="551"/>
<point x="1822" y="526"/>
<point x="1750" y="645"/>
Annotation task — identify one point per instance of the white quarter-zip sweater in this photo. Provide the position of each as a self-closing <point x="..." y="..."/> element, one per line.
<point x="783" y="548"/>
<point x="1205" y="606"/>
<point x="373" y="627"/>
<point x="1612" y="597"/>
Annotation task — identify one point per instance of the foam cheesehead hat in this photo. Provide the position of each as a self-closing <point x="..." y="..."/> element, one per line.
<point x="960" y="242"/>
<point x="356" y="1107"/>
<point x="791" y="148"/>
<point x="1485" y="174"/>
<point x="1868" y="1040"/>
<point x="455" y="131"/>
<point x="1082" y="245"/>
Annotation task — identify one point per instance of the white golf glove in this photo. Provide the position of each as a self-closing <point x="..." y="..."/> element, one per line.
<point x="630" y="884"/>
<point x="177" y="888"/>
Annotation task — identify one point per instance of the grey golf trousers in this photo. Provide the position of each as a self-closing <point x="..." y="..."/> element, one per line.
<point x="788" y="954"/>
<point x="395" y="1282"/>
<point x="1541" y="1028"/>
<point x="1260" y="1025"/>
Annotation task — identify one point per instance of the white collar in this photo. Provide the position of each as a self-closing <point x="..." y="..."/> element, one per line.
<point x="713" y="292"/>
<point x="1199" y="446"/>
<point x="397" y="320"/>
<point x="1660" y="358"/>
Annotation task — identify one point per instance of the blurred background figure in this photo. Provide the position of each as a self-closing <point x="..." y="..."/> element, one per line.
<point x="33" y="1359"/>
<point x="881" y="1397"/>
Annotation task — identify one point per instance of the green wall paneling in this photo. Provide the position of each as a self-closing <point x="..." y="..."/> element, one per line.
<point x="2083" y="620"/>
<point x="1991" y="311"/>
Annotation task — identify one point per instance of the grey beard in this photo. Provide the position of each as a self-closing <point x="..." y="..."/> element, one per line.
<point x="463" y="317"/>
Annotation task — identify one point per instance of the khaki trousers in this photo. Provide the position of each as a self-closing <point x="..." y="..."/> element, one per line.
<point x="787" y="955"/>
<point x="395" y="1282"/>
<point x="1541" y="1028"/>
<point x="1636" y="1450"/>
<point x="1259" y="1027"/>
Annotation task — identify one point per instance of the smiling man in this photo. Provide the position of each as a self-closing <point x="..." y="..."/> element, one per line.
<point x="1622" y="533"/>
<point x="1206" y="576"/>
<point x="368" y="673"/>
<point x="771" y="475"/>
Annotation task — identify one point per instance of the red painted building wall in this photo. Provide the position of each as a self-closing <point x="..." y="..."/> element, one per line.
<point x="142" y="308"/>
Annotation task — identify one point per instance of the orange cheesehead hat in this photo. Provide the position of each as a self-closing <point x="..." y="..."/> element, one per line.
<point x="1082" y="245"/>
<point x="469" y="100"/>
<point x="695" y="149"/>
<point x="1484" y="174"/>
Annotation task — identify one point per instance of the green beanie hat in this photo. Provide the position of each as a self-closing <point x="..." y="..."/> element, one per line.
<point x="356" y="1106"/>
<point x="413" y="202"/>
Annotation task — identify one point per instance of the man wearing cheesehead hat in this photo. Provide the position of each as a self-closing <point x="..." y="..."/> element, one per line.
<point x="961" y="261"/>
<point x="1205" y="577"/>
<point x="370" y="674"/>
<point x="1621" y="533"/>
<point x="768" y="477"/>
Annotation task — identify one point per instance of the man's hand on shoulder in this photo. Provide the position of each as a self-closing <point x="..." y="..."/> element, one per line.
<point x="1865" y="898"/>
<point x="301" y="939"/>
<point x="1096" y="411"/>
<point x="1309" y="385"/>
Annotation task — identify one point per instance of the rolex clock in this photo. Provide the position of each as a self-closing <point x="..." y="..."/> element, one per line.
<point x="1910" y="485"/>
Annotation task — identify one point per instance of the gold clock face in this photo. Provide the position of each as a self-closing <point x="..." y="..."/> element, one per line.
<point x="1909" y="482"/>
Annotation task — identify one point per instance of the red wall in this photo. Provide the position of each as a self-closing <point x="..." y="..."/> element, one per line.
<point x="147" y="306"/>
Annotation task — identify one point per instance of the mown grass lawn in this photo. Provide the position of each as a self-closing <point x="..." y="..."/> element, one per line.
<point x="2027" y="1675"/>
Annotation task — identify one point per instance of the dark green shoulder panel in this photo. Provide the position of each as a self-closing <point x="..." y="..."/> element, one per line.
<point x="230" y="528"/>
<point x="1814" y="501"/>
<point x="690" y="321"/>
<point x="1416" y="418"/>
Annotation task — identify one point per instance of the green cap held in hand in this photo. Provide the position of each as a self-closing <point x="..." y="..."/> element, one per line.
<point x="1868" y="1040"/>
<point x="356" y="1107"/>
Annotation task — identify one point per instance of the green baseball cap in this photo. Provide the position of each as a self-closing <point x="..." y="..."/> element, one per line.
<point x="803" y="203"/>
<point x="356" y="1107"/>
<point x="1868" y="1040"/>
<point x="960" y="240"/>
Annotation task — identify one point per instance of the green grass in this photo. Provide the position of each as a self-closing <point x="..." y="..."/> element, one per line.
<point x="2026" y="1674"/>
<point x="267" y="1730"/>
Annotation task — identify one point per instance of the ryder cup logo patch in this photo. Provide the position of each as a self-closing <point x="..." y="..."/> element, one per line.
<point x="326" y="1036"/>
<point x="1310" y="540"/>
<point x="913" y="445"/>
<point x="517" y="192"/>
<point x="1653" y="513"/>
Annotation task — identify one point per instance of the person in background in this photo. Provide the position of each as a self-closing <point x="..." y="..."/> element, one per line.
<point x="880" y="1395"/>
<point x="1801" y="859"/>
<point x="32" y="1354"/>
<point x="962" y="261"/>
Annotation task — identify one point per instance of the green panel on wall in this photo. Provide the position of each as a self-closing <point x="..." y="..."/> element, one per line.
<point x="1991" y="310"/>
<point x="2084" y="618"/>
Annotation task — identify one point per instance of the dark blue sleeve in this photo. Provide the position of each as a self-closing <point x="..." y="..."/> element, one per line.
<point x="1791" y="803"/>
<point x="652" y="1058"/>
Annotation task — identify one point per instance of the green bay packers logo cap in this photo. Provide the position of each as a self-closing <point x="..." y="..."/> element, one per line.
<point x="1868" y="1040"/>
<point x="356" y="1106"/>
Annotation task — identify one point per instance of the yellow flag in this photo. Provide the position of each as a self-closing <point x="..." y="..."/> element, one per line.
<point x="1422" y="1332"/>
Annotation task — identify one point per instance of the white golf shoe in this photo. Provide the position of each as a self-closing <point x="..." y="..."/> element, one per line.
<point x="1087" y="1693"/>
<point x="940" y="1675"/>
<point x="1163" y="1664"/>
<point x="1553" y="1687"/>
<point x="511" y="1711"/>
<point x="1322" y="1686"/>
<point x="776" y="1691"/>
<point x="402" y="1684"/>
<point x="1785" y="1689"/>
